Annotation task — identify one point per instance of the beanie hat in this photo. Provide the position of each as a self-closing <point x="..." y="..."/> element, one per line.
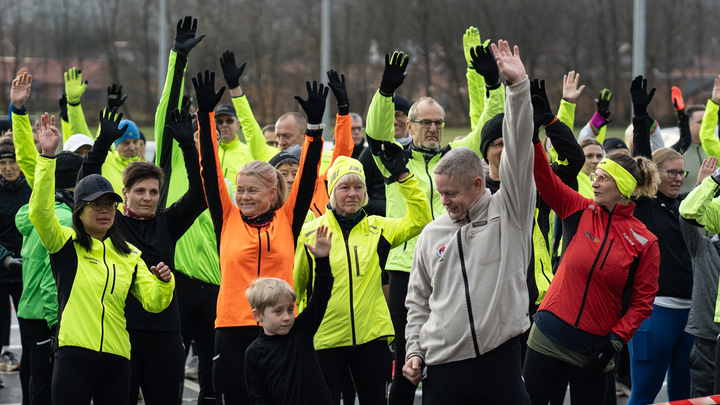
<point x="491" y="131"/>
<point x="610" y="144"/>
<point x="282" y="156"/>
<point x="343" y="165"/>
<point x="76" y="141"/>
<point x="67" y="166"/>
<point x="132" y="132"/>
<point x="402" y="104"/>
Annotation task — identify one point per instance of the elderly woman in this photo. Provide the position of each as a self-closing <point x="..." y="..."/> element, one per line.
<point x="356" y="328"/>
<point x="94" y="269"/>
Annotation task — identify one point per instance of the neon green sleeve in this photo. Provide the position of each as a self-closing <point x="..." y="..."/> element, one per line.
<point x="398" y="231"/>
<point x="566" y="114"/>
<point x="301" y="270"/>
<point x="254" y="139"/>
<point x="154" y="294"/>
<point x="42" y="207"/>
<point x="494" y="105"/>
<point x="66" y="132"/>
<point x="476" y="93"/>
<point x="172" y="78"/>
<point x="710" y="142"/>
<point x="380" y="124"/>
<point x="700" y="205"/>
<point x="76" y="119"/>
<point x="25" y="151"/>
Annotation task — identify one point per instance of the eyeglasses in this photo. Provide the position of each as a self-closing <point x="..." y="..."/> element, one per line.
<point x="427" y="123"/>
<point x="273" y="143"/>
<point x="357" y="128"/>
<point x="98" y="205"/>
<point x="228" y="121"/>
<point x="499" y="144"/>
<point x="600" y="178"/>
<point x="672" y="174"/>
<point x="400" y="116"/>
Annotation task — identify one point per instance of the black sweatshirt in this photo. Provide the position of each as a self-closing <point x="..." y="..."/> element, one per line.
<point x="13" y="195"/>
<point x="283" y="369"/>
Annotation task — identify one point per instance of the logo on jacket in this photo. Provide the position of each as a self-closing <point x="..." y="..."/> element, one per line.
<point x="592" y="238"/>
<point x="440" y="250"/>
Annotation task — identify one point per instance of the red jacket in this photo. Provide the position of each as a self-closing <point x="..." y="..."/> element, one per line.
<point x="605" y="249"/>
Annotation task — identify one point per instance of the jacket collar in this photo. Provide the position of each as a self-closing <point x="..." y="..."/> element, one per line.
<point x="478" y="209"/>
<point x="232" y="144"/>
<point x="619" y="210"/>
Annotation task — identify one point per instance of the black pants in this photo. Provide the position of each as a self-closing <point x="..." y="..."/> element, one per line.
<point x="543" y="373"/>
<point x="493" y="378"/>
<point x="80" y="375"/>
<point x="38" y="354"/>
<point x="717" y="369"/>
<point x="403" y="391"/>
<point x="13" y="291"/>
<point x="197" y="301"/>
<point x="228" y="372"/>
<point x="370" y="367"/>
<point x="157" y="365"/>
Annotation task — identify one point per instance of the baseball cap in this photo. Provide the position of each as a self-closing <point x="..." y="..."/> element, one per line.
<point x="225" y="109"/>
<point x="76" y="141"/>
<point x="92" y="187"/>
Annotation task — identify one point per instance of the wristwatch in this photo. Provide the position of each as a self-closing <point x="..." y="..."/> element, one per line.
<point x="315" y="126"/>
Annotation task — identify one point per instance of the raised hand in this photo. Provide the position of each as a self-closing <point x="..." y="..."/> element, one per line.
<point x="570" y="87"/>
<point x="393" y="158"/>
<point x="394" y="73"/>
<point x="180" y="126"/>
<point x="115" y="96"/>
<point x="162" y="271"/>
<point x="640" y="96"/>
<point x="48" y="135"/>
<point x="323" y="242"/>
<point x="185" y="39"/>
<point x="677" y="98"/>
<point x="207" y="99"/>
<point x="603" y="103"/>
<point x="471" y="39"/>
<point x="314" y="106"/>
<point x="74" y="85"/>
<point x="509" y="62"/>
<point x="542" y="114"/>
<point x="109" y="123"/>
<point x="20" y="90"/>
<point x="337" y="85"/>
<point x="231" y="72"/>
<point x="483" y="61"/>
<point x="707" y="168"/>
<point x="716" y="91"/>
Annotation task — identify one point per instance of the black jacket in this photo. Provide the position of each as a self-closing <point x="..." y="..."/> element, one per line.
<point x="13" y="195"/>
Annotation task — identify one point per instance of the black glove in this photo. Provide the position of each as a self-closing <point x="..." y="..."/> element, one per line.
<point x="186" y="102"/>
<point x="185" y="39"/>
<point x="603" y="103"/>
<point x="207" y="99"/>
<point x="315" y="105"/>
<point x="115" y="97"/>
<point x="640" y="96"/>
<point x="601" y="355"/>
<point x="180" y="127"/>
<point x="231" y="72"/>
<point x="542" y="115"/>
<point x="337" y="85"/>
<point x="394" y="73"/>
<point x="63" y="107"/>
<point x="393" y="158"/>
<point x="109" y="122"/>
<point x="483" y="61"/>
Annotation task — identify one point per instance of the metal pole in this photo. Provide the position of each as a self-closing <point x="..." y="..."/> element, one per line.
<point x="325" y="59"/>
<point x="639" y="38"/>
<point x="162" y="47"/>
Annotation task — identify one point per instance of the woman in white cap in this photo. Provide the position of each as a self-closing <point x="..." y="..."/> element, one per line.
<point x="356" y="328"/>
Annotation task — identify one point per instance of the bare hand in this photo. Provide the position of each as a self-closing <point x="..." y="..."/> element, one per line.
<point x="412" y="370"/>
<point x="509" y="62"/>
<point x="323" y="242"/>
<point x="570" y="86"/>
<point x="707" y="168"/>
<point x="162" y="271"/>
<point x="20" y="90"/>
<point x="716" y="91"/>
<point x="48" y="135"/>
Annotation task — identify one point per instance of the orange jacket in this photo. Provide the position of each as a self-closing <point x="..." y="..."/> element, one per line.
<point x="248" y="252"/>
<point x="343" y="147"/>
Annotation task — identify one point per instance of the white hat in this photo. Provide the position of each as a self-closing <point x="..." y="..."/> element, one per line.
<point x="76" y="141"/>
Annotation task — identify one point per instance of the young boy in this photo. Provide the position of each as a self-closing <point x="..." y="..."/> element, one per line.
<point x="281" y="366"/>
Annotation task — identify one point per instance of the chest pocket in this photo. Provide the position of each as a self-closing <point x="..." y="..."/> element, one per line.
<point x="485" y="233"/>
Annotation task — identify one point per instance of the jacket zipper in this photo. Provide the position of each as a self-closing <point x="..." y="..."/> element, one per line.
<point x="432" y="188"/>
<point x="259" y="251"/>
<point x="592" y="269"/>
<point x="467" y="294"/>
<point x="102" y="301"/>
<point x="350" y="280"/>
<point x="112" y="290"/>
<point x="357" y="262"/>
<point x="267" y="237"/>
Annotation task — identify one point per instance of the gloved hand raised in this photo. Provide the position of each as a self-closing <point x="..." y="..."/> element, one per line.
<point x="314" y="106"/>
<point x="115" y="96"/>
<point x="74" y="85"/>
<point x="471" y="39"/>
<point x="542" y="114"/>
<point x="601" y="355"/>
<point x="483" y="61"/>
<point x="109" y="123"/>
<point x="231" y="72"/>
<point x="337" y="85"/>
<point x="603" y="103"/>
<point x="640" y="96"/>
<point x="63" y="108"/>
<point x="180" y="127"/>
<point x="394" y="73"/>
<point x="207" y="99"/>
<point x="393" y="158"/>
<point x="185" y="39"/>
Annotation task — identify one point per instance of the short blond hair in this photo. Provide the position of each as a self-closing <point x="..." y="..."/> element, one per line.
<point x="349" y="178"/>
<point x="267" y="291"/>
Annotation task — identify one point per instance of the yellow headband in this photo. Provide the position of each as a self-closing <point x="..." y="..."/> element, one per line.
<point x="626" y="183"/>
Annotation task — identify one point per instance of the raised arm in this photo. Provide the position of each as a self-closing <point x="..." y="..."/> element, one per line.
<point x="109" y="132"/>
<point x="343" y="127"/>
<point x="311" y="317"/>
<point x="571" y="92"/>
<point x="683" y="121"/>
<point x="25" y="151"/>
<point x="701" y="204"/>
<point x="710" y="142"/>
<point x="597" y="126"/>
<point x="641" y="120"/>
<point x="476" y="83"/>
<point x="75" y="88"/>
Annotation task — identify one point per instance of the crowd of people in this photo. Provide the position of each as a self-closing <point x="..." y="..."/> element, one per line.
<point x="497" y="268"/>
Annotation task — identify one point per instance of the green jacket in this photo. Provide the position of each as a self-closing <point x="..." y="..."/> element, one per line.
<point x="92" y="285"/>
<point x="357" y="311"/>
<point x="380" y="127"/>
<point x="254" y="138"/>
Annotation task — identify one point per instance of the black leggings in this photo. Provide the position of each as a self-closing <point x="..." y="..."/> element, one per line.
<point x="80" y="375"/>
<point x="38" y="354"/>
<point x="198" y="303"/>
<point x="157" y="364"/>
<point x="543" y="373"/>
<point x="370" y="367"/>
<point x="228" y="370"/>
<point x="493" y="378"/>
<point x="403" y="391"/>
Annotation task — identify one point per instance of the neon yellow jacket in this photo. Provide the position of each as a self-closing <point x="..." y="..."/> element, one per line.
<point x="710" y="142"/>
<point x="357" y="312"/>
<point x="233" y="156"/>
<point x="78" y="124"/>
<point x="92" y="285"/>
<point x="24" y="143"/>
<point x="254" y="138"/>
